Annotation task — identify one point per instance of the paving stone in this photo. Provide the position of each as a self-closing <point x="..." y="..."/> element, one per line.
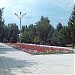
<point x="16" y="62"/>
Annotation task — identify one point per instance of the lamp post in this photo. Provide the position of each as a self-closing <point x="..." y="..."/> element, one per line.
<point x="20" y="17"/>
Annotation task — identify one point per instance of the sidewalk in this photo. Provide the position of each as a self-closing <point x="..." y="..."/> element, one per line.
<point x="15" y="62"/>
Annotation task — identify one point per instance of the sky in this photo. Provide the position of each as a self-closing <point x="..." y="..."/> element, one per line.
<point x="56" y="10"/>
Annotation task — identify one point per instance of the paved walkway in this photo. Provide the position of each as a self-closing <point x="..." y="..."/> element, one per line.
<point x="15" y="62"/>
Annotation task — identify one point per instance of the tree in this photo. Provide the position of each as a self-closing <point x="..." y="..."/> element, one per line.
<point x="27" y="37"/>
<point x="12" y="32"/>
<point x="23" y="28"/>
<point x="5" y="33"/>
<point x="59" y="26"/>
<point x="32" y="28"/>
<point x="71" y="25"/>
<point x="55" y="38"/>
<point x="1" y="25"/>
<point x="64" y="36"/>
<point x="50" y="35"/>
<point x="29" y="33"/>
<point x="42" y="28"/>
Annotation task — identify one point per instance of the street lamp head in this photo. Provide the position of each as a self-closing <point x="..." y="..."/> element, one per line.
<point x="23" y="15"/>
<point x="15" y="13"/>
<point x="20" y="13"/>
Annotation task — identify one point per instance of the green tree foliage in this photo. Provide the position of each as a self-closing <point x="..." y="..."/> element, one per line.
<point x="29" y="33"/>
<point x="42" y="28"/>
<point x="63" y="36"/>
<point x="1" y="25"/>
<point x="5" y="34"/>
<point x="23" y="28"/>
<point x="71" y="25"/>
<point x="50" y="35"/>
<point x="55" y="38"/>
<point x="12" y="34"/>
<point x="59" y="26"/>
<point x="26" y="37"/>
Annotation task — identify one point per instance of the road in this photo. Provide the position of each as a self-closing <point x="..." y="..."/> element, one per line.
<point x="16" y="62"/>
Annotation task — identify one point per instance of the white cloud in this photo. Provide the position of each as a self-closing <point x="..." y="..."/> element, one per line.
<point x="34" y="9"/>
<point x="4" y="3"/>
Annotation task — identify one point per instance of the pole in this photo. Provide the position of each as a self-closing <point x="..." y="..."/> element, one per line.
<point x="20" y="30"/>
<point x="20" y="17"/>
<point x="20" y="27"/>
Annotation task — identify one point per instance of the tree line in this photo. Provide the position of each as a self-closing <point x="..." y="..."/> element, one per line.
<point x="41" y="33"/>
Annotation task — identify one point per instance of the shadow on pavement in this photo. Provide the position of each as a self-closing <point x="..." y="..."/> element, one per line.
<point x="5" y="50"/>
<point x="9" y="65"/>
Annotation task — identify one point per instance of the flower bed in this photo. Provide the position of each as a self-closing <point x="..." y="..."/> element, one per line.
<point x="40" y="49"/>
